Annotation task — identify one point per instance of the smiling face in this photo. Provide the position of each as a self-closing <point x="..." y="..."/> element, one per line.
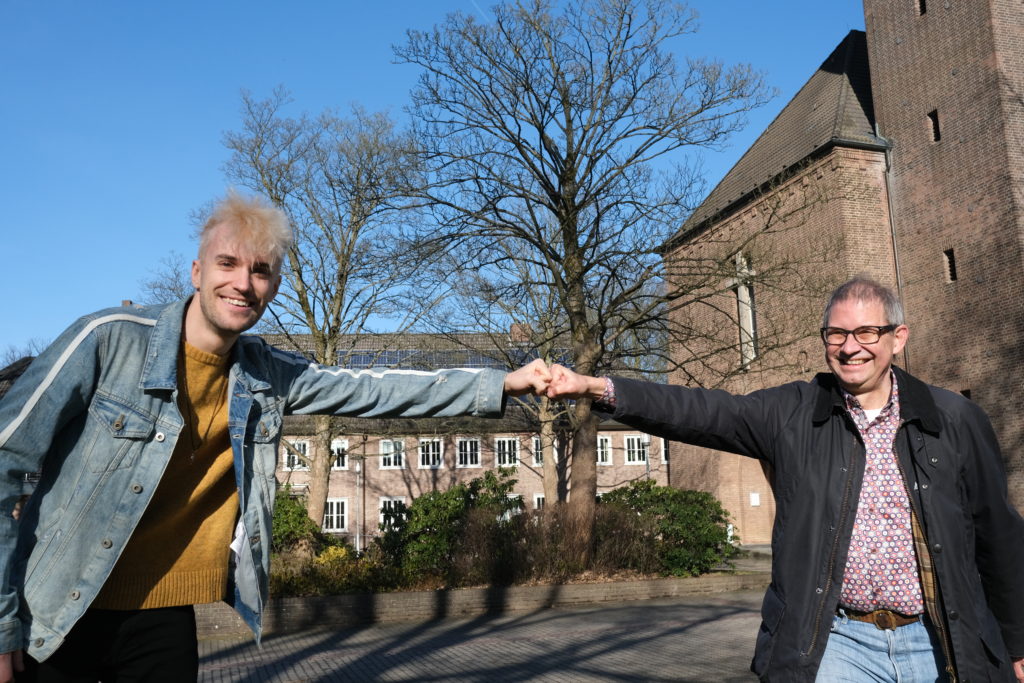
<point x="234" y="289"/>
<point x="863" y="369"/>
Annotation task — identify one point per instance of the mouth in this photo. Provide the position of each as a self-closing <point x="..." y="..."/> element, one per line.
<point x="239" y="303"/>
<point x="853" y="361"/>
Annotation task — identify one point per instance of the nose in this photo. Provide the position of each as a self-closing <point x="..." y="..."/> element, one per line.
<point x="850" y="345"/>
<point x="242" y="281"/>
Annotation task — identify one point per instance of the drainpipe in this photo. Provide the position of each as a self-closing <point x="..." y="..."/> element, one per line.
<point x="892" y="236"/>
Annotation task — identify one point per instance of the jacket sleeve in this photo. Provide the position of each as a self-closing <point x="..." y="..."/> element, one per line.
<point x="747" y="425"/>
<point x="320" y="389"/>
<point x="55" y="388"/>
<point x="998" y="528"/>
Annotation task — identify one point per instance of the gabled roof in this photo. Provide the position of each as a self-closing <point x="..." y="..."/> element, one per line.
<point x="12" y="372"/>
<point x="833" y="108"/>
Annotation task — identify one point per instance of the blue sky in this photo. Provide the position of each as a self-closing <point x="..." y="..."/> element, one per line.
<point x="113" y="113"/>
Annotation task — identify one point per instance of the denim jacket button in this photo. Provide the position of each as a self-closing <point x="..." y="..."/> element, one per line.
<point x="39" y="642"/>
<point x="159" y="436"/>
<point x="75" y="595"/>
<point x="136" y="488"/>
<point x="107" y="543"/>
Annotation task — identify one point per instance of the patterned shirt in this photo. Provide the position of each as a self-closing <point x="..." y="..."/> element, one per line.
<point x="881" y="568"/>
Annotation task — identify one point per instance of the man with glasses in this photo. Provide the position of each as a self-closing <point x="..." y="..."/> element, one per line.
<point x="896" y="552"/>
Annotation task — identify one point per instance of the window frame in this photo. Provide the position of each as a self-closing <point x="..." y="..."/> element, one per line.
<point x="386" y="460"/>
<point x="335" y="443"/>
<point x="499" y="451"/>
<point x="607" y="440"/>
<point x="644" y="441"/>
<point x="433" y="442"/>
<point x="287" y="456"/>
<point x="459" y="464"/>
<point x="343" y="502"/>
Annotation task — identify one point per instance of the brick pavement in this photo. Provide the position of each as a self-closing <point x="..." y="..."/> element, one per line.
<point x="699" y="638"/>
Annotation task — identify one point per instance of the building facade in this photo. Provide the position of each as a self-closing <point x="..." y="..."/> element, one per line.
<point x="903" y="153"/>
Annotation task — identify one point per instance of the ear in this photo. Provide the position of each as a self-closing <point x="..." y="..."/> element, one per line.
<point x="900" y="335"/>
<point x="195" y="274"/>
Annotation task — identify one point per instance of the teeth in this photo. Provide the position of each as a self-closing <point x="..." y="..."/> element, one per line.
<point x="237" y="302"/>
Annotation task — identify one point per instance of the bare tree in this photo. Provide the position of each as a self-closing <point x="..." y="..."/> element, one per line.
<point x="340" y="181"/>
<point x="30" y="349"/>
<point x="556" y="138"/>
<point x="170" y="281"/>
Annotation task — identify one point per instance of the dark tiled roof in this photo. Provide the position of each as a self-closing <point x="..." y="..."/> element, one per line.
<point x="12" y="372"/>
<point x="833" y="108"/>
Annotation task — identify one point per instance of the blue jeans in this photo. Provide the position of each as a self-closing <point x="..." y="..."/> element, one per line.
<point x="858" y="652"/>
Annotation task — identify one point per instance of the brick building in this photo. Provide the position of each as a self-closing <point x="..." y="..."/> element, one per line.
<point x="903" y="152"/>
<point x="378" y="461"/>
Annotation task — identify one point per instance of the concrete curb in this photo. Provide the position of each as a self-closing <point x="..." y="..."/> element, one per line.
<point x="289" y="615"/>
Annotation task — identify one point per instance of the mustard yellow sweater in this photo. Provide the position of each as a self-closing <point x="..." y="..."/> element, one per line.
<point x="178" y="554"/>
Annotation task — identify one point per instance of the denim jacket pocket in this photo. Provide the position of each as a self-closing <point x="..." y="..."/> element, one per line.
<point x="121" y="433"/>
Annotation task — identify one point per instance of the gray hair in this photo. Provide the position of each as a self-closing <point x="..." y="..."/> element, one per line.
<point x="863" y="288"/>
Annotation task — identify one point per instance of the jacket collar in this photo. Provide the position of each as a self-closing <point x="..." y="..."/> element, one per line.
<point x="916" y="402"/>
<point x="160" y="371"/>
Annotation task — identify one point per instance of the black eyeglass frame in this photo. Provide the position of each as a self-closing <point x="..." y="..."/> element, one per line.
<point x="879" y="330"/>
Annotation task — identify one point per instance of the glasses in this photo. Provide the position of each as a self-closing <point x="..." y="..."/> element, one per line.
<point x="867" y="334"/>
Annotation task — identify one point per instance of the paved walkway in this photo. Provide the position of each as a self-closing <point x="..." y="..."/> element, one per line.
<point x="701" y="638"/>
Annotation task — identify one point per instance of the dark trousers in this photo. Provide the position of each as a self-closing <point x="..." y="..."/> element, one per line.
<point x="119" y="646"/>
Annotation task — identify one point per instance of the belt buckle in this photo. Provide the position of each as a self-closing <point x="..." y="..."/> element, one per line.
<point x="884" y="620"/>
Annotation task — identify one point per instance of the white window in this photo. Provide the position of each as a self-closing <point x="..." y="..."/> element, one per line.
<point x="389" y="503"/>
<point x="339" y="454"/>
<point x="335" y="514"/>
<point x="604" y="450"/>
<point x="430" y="454"/>
<point x="392" y="454"/>
<point x="506" y="452"/>
<point x="538" y="501"/>
<point x="538" y="452"/>
<point x="746" y="312"/>
<point x="469" y="453"/>
<point x="664" y="452"/>
<point x="516" y="508"/>
<point x="295" y="460"/>
<point x="636" y="449"/>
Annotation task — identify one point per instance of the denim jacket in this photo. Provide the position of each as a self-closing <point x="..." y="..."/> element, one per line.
<point x="96" y="414"/>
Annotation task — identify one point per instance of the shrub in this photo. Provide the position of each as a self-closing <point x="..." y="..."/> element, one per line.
<point x="690" y="527"/>
<point x="291" y="524"/>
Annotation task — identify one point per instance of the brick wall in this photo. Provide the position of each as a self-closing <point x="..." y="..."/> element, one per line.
<point x="959" y="195"/>
<point x="835" y="224"/>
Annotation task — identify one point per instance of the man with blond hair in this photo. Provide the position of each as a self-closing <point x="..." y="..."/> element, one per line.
<point x="156" y="433"/>
<point x="896" y="554"/>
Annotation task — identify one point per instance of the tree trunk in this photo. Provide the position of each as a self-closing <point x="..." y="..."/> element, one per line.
<point x="583" y="484"/>
<point x="319" y="470"/>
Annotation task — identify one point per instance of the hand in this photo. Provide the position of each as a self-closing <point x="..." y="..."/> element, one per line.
<point x="1018" y="668"/>
<point x="11" y="662"/>
<point x="532" y="378"/>
<point x="567" y="384"/>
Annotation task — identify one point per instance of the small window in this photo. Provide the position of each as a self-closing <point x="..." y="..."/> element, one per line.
<point x="430" y="454"/>
<point x="922" y="7"/>
<point x="506" y="452"/>
<point x="295" y="457"/>
<point x="335" y="515"/>
<point x="392" y="454"/>
<point x="636" y="449"/>
<point x="390" y="504"/>
<point x="604" y="450"/>
<point x="746" y="311"/>
<point x="339" y="455"/>
<point x="468" y="453"/>
<point x="538" y="452"/>
<point x="933" y="118"/>
<point x="950" y="259"/>
<point x="538" y="501"/>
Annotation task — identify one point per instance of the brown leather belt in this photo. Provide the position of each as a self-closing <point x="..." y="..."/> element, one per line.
<point x="883" y="619"/>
